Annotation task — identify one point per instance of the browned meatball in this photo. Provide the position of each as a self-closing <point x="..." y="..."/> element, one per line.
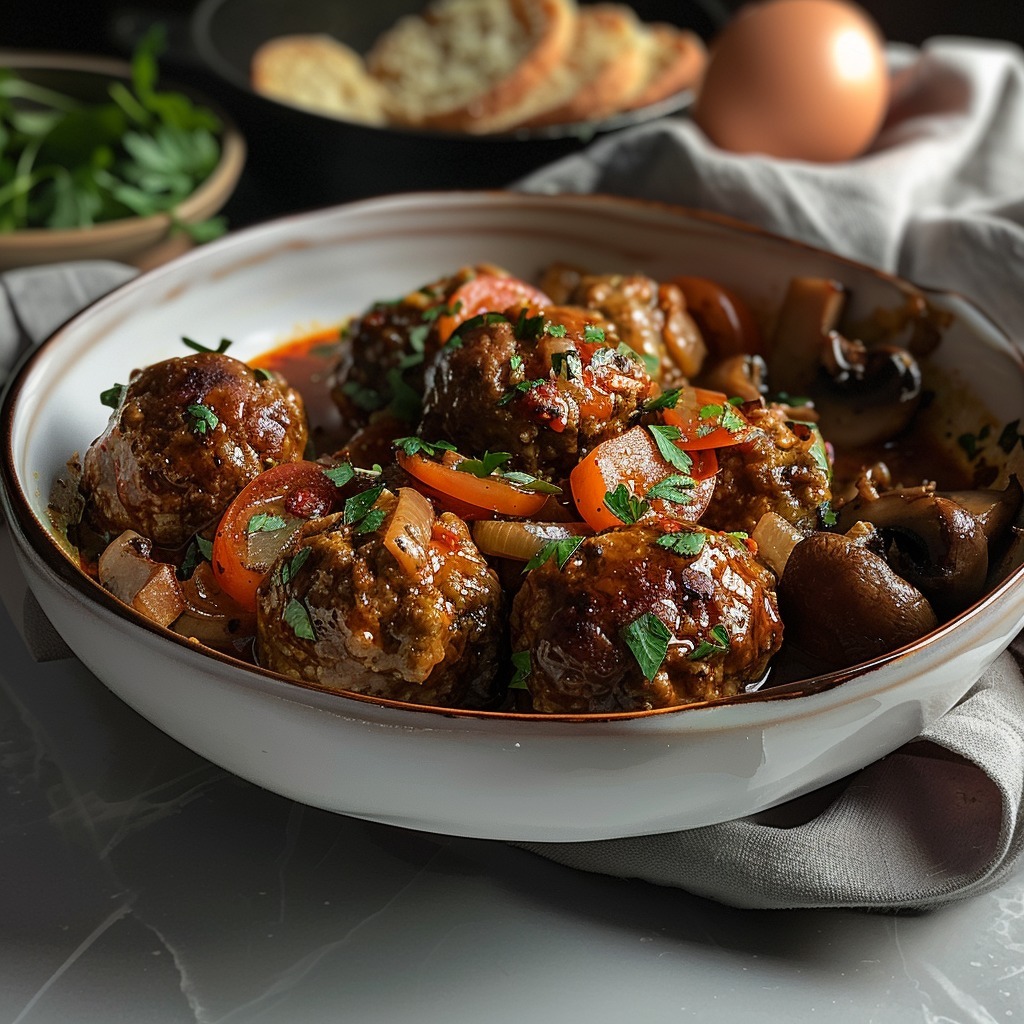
<point x="781" y="468"/>
<point x="189" y="434"/>
<point x="716" y="605"/>
<point x="386" y="348"/>
<point x="540" y="384"/>
<point x="429" y="637"/>
<point x="649" y="317"/>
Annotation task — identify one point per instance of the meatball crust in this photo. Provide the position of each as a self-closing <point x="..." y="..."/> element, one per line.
<point x="571" y="621"/>
<point x="189" y="434"/>
<point x="392" y="341"/>
<point x="775" y="470"/>
<point x="540" y="384"/>
<point x="429" y="638"/>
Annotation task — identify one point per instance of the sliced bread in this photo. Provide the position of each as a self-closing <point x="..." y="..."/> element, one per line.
<point x="471" y="65"/>
<point x="606" y="65"/>
<point x="319" y="73"/>
<point x="674" y="59"/>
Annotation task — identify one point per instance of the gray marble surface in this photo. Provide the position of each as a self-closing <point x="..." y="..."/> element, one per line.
<point x="143" y="884"/>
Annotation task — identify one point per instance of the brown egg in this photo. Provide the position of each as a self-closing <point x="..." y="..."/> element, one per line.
<point x="803" y="79"/>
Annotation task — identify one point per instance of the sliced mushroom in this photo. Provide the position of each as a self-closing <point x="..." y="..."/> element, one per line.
<point x="994" y="509"/>
<point x="742" y="376"/>
<point x="809" y="311"/>
<point x="865" y="395"/>
<point x="126" y="569"/>
<point x="842" y="604"/>
<point x="931" y="541"/>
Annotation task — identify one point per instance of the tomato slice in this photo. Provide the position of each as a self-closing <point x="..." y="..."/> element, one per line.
<point x="724" y="319"/>
<point x="261" y="522"/>
<point x="489" y="493"/>
<point x="633" y="460"/>
<point x="705" y="419"/>
<point x="486" y="293"/>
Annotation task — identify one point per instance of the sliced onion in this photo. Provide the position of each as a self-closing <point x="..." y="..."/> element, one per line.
<point x="409" y="530"/>
<point x="521" y="540"/>
<point x="775" y="538"/>
<point x="211" y="615"/>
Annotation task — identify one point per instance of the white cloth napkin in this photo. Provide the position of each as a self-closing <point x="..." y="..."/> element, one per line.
<point x="938" y="199"/>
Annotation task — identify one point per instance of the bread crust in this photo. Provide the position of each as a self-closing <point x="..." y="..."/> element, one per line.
<point x="317" y="72"/>
<point x="675" y="59"/>
<point x="438" y="45"/>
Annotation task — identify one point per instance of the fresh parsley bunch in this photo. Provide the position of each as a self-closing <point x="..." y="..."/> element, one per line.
<point x="68" y="163"/>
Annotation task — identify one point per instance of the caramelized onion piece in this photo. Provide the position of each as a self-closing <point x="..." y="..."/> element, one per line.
<point x="775" y="538"/>
<point x="521" y="540"/>
<point x="409" y="530"/>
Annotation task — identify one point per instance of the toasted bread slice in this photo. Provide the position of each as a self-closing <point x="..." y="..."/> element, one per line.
<point x="319" y="73"/>
<point x="471" y="65"/>
<point x="606" y="66"/>
<point x="675" y="60"/>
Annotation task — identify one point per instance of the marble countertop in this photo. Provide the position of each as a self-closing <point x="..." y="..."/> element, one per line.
<point x="143" y="884"/>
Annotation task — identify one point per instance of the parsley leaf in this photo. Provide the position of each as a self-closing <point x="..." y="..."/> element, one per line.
<point x="358" y="508"/>
<point x="520" y="389"/>
<point x="199" y="548"/>
<point x="341" y="474"/>
<point x="486" y="465"/>
<point x="666" y="400"/>
<point x="529" y="328"/>
<point x="526" y="482"/>
<point x="265" y="522"/>
<point x="286" y="571"/>
<point x="296" y="615"/>
<point x="716" y="643"/>
<point x="481" y="319"/>
<point x="523" y="667"/>
<point x="626" y="507"/>
<point x="673" y="488"/>
<point x="562" y="550"/>
<point x="203" y="418"/>
<point x="648" y="638"/>
<point x="683" y="542"/>
<point x="416" y="445"/>
<point x="664" y="436"/>
<point x="113" y="396"/>
<point x="593" y="335"/>
<point x="198" y="346"/>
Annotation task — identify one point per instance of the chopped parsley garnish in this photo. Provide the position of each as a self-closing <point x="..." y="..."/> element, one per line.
<point x="664" y="435"/>
<point x="673" y="488"/>
<point x="717" y="642"/>
<point x="481" y="319"/>
<point x="666" y="400"/>
<point x="515" y="362"/>
<point x="296" y="615"/>
<point x="567" y="364"/>
<point x="520" y="389"/>
<point x="486" y="465"/>
<point x="523" y="667"/>
<point x="286" y="571"/>
<point x="265" y="522"/>
<point x="827" y="514"/>
<point x="715" y="416"/>
<point x="198" y="346"/>
<point x="561" y="550"/>
<point x="113" y="397"/>
<point x="405" y="401"/>
<point x="648" y="638"/>
<point x="416" y="445"/>
<point x="359" y="508"/>
<point x="593" y="335"/>
<point x="198" y="550"/>
<point x="683" y="542"/>
<point x="431" y="314"/>
<point x="626" y="507"/>
<point x="203" y="418"/>
<point x="529" y="328"/>
<point x="556" y="330"/>
<point x="341" y="474"/>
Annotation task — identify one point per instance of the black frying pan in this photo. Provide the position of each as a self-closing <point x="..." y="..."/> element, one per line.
<point x="321" y="159"/>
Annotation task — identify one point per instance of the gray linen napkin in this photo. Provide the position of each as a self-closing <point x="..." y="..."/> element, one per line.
<point x="938" y="199"/>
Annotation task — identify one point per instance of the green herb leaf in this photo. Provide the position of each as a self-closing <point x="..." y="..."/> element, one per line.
<point x="529" y="328"/>
<point x="485" y="465"/>
<point x="648" y="638"/>
<point x="664" y="436"/>
<point x="416" y="445"/>
<point x="827" y="514"/>
<point x="204" y="419"/>
<point x="523" y="667"/>
<point x="666" y="400"/>
<point x="359" y="505"/>
<point x="372" y="521"/>
<point x="562" y="550"/>
<point x="526" y="482"/>
<point x="113" y="397"/>
<point x="341" y="474"/>
<point x="480" y="320"/>
<point x="683" y="542"/>
<point x="556" y="330"/>
<point x="593" y="335"/>
<point x="567" y="364"/>
<point x="520" y="389"/>
<point x="717" y="642"/>
<point x="199" y="548"/>
<point x="296" y="615"/>
<point x="626" y="507"/>
<point x="677" y="489"/>
<point x="265" y="522"/>
<point x="198" y="346"/>
<point x="287" y="569"/>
